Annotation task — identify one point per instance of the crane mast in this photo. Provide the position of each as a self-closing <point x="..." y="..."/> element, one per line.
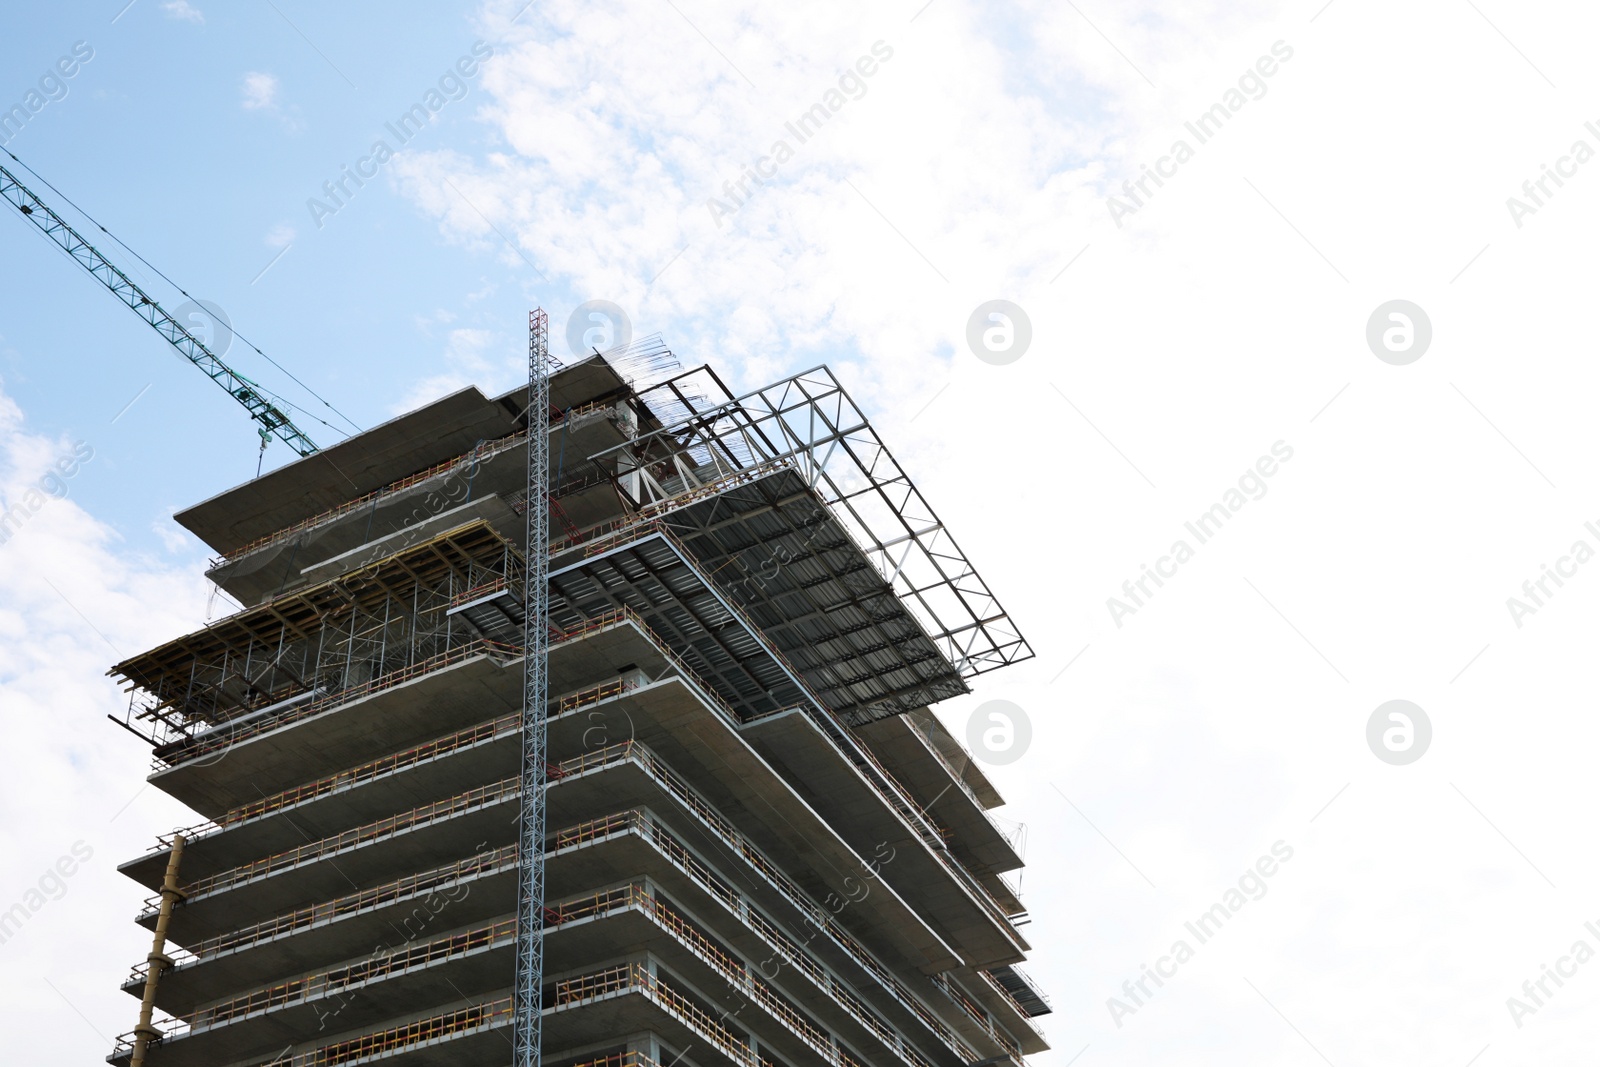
<point x="271" y="419"/>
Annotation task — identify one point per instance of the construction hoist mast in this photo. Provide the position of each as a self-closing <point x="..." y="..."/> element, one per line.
<point x="272" y="420"/>
<point x="526" y="1017"/>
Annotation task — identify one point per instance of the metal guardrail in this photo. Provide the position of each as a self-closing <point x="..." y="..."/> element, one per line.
<point x="504" y="726"/>
<point x="183" y="751"/>
<point x="477" y="454"/>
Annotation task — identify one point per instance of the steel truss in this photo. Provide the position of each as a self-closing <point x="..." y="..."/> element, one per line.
<point x="808" y="423"/>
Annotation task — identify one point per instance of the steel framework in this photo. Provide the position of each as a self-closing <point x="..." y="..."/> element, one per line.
<point x="526" y="1028"/>
<point x="242" y="672"/>
<point x="809" y="424"/>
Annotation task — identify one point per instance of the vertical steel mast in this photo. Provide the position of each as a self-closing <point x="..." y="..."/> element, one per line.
<point x="535" y="680"/>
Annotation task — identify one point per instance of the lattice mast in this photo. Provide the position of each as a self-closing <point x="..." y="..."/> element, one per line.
<point x="536" y="645"/>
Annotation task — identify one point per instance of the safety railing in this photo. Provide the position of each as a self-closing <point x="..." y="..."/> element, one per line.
<point x="504" y="726"/>
<point x="184" y="751"/>
<point x="592" y="695"/>
<point x="406" y="959"/>
<point x="979" y="1016"/>
<point x="636" y="977"/>
<point x="596" y="828"/>
<point x="479" y="591"/>
<point x="620" y="1059"/>
<point x="477" y="454"/>
<point x="397" y="761"/>
<point x="734" y="973"/>
<point x="350" y="904"/>
<point x="736" y="841"/>
<point x="417" y="817"/>
<point x="332" y="982"/>
<point x="1009" y="998"/>
<point x="449" y="1024"/>
<point x="567" y="993"/>
<point x="739" y="976"/>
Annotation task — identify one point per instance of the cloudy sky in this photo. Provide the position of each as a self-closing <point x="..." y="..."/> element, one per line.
<point x="1317" y="163"/>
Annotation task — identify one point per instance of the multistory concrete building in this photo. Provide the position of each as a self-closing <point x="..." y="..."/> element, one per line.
<point x="763" y="850"/>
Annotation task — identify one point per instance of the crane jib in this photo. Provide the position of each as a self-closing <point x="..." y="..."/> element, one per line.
<point x="176" y="334"/>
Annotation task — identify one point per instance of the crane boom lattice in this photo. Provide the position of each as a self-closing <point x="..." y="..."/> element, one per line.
<point x="271" y="419"/>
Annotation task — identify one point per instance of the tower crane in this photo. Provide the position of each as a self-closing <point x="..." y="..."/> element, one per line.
<point x="271" y="419"/>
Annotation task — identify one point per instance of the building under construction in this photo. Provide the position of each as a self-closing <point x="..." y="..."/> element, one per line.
<point x="761" y="847"/>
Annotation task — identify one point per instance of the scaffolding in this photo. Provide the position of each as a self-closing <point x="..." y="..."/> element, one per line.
<point x="376" y="626"/>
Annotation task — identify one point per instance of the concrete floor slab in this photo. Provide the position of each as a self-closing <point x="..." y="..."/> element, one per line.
<point x="345" y="735"/>
<point x="830" y="783"/>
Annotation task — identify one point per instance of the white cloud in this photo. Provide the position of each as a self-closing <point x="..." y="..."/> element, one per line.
<point x="260" y="91"/>
<point x="72" y="601"/>
<point x="472" y="356"/>
<point x="280" y="236"/>
<point x="183" y="11"/>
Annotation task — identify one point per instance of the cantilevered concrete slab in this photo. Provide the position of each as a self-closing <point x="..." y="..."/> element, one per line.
<point x="256" y="897"/>
<point x="290" y="559"/>
<point x="449" y="698"/>
<point x="946" y="790"/>
<point x="347" y="734"/>
<point x="831" y="783"/>
<point x="386" y="453"/>
<point x="920" y="751"/>
<point x="266" y="1031"/>
<point x="579" y="382"/>
<point x="353" y="928"/>
<point x="1002" y="1008"/>
<point x="322" y="555"/>
<point x="881" y="918"/>
<point x="493" y="755"/>
<point x="705" y="748"/>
